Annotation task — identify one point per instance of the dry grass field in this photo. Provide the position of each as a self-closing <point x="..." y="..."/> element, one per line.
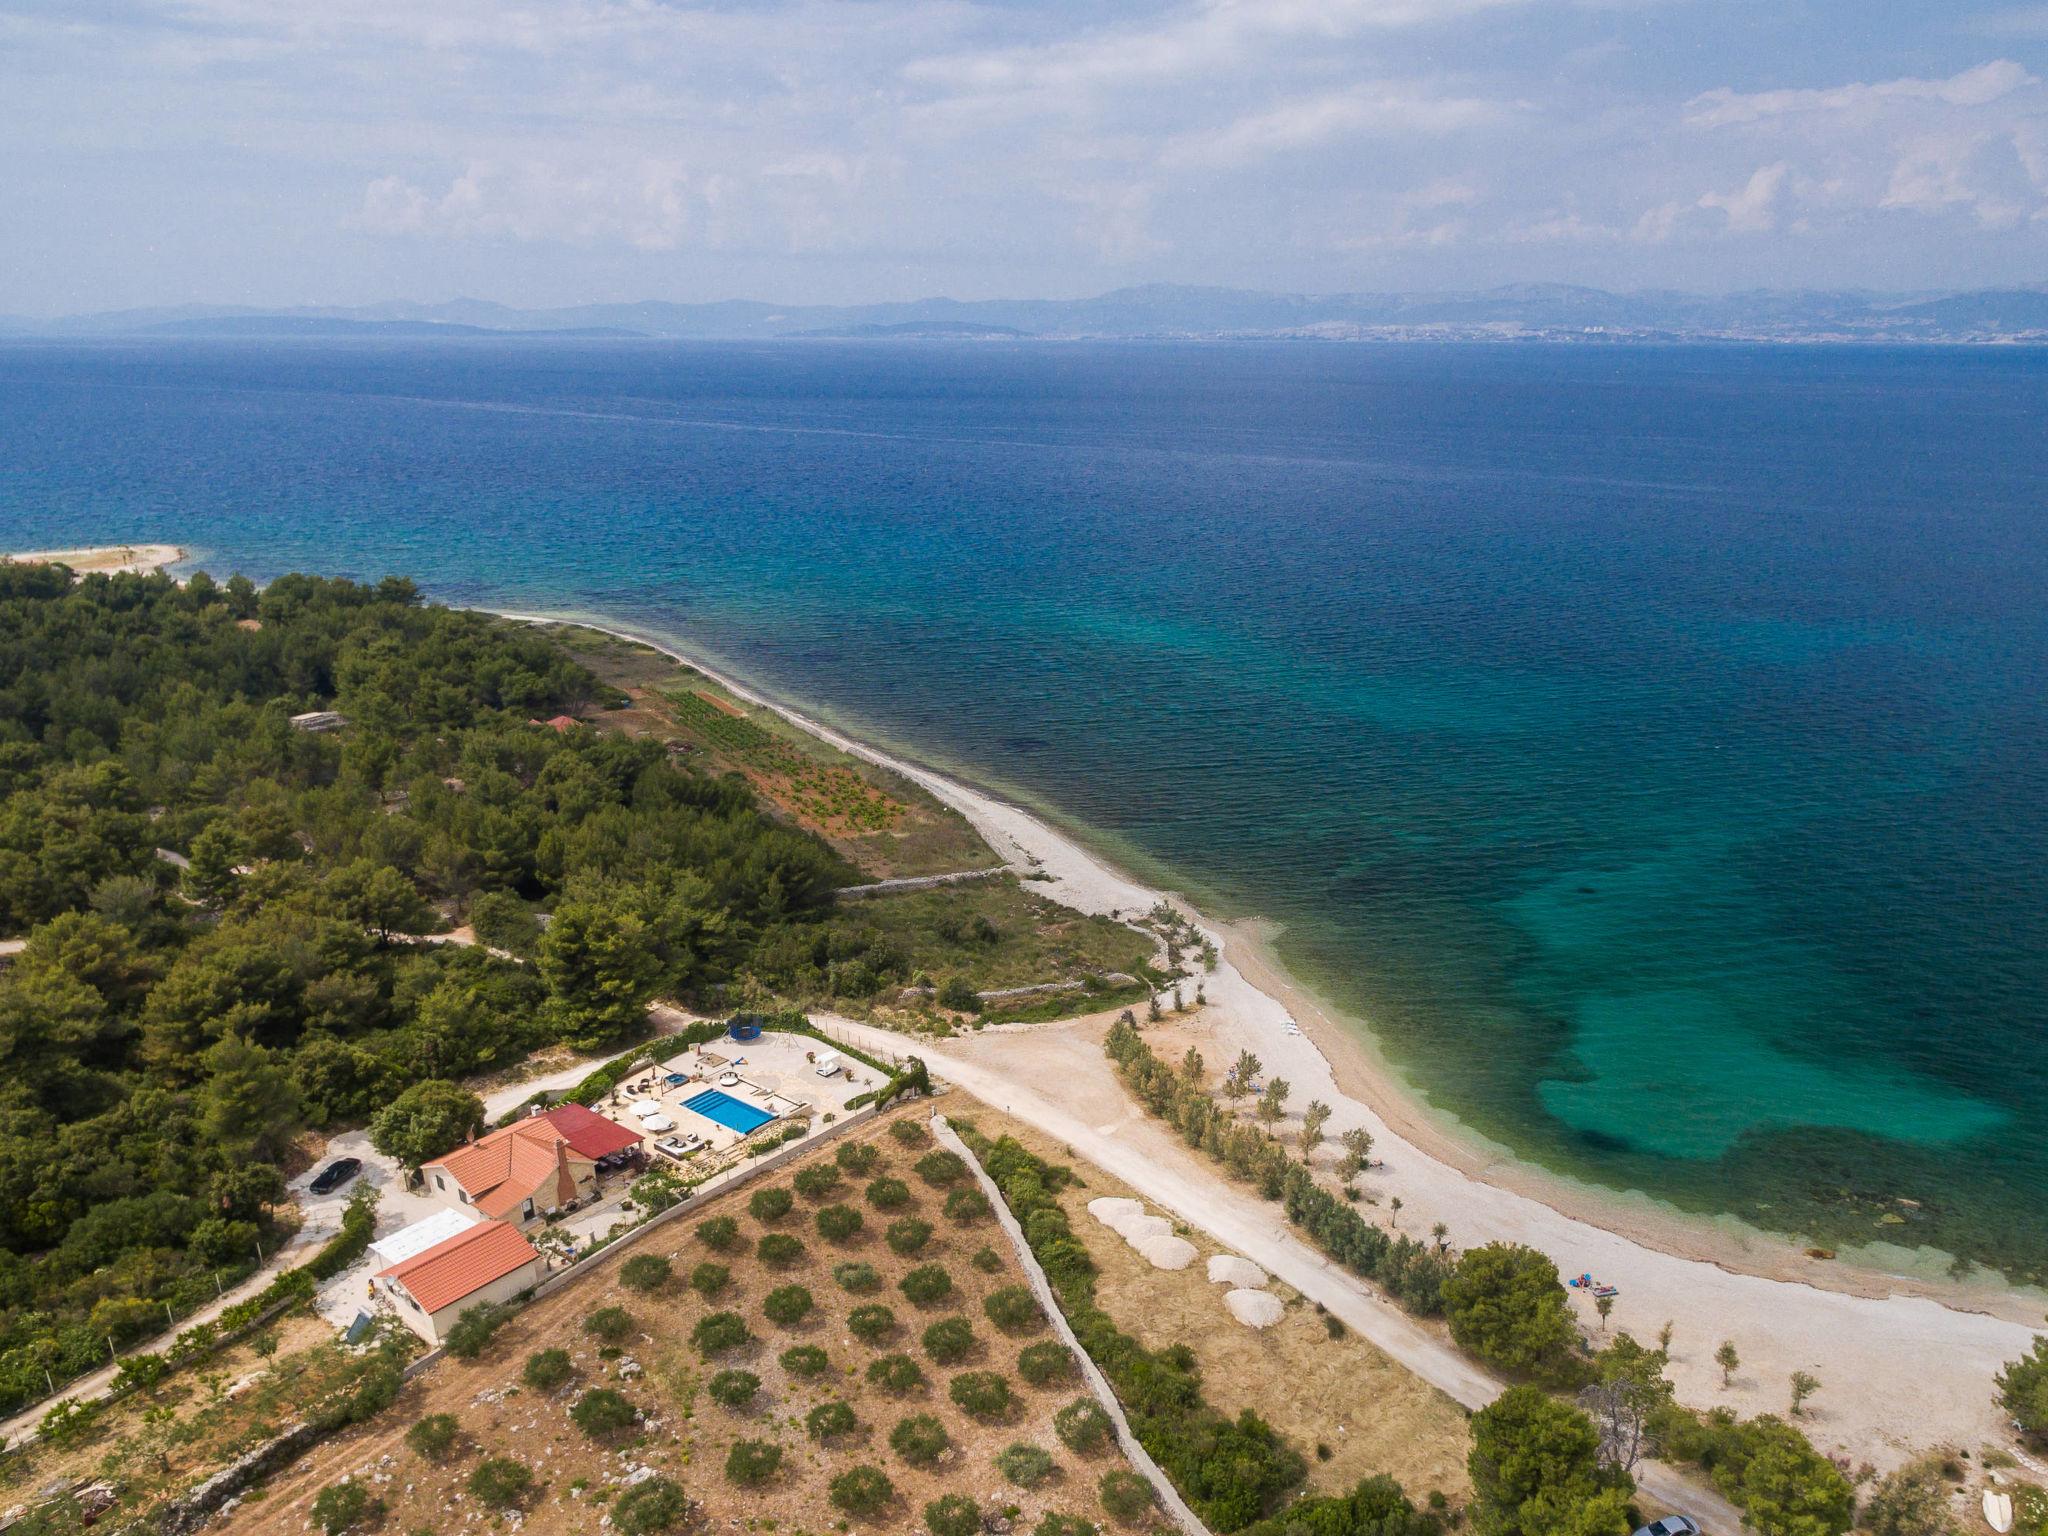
<point x="1341" y="1393"/>
<point x="681" y="1431"/>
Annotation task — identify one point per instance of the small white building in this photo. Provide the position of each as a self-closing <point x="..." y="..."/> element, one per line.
<point x="487" y="1262"/>
<point x="410" y="1242"/>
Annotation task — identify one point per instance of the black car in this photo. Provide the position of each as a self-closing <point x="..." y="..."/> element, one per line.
<point x="336" y="1174"/>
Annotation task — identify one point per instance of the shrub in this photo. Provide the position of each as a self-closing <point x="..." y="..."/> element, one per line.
<point x="920" y="1439"/>
<point x="926" y="1286"/>
<point x="500" y="1482"/>
<point x="719" y="1331"/>
<point x="2023" y="1388"/>
<point x="611" y="1325"/>
<point x="871" y="1323"/>
<point x="750" y="1463"/>
<point x="778" y="1250"/>
<point x="966" y="1205"/>
<point x="950" y="1340"/>
<point x="829" y="1420"/>
<point x="954" y="1514"/>
<point x="861" y="1490"/>
<point x="805" y="1360"/>
<point x="645" y="1272"/>
<point x="898" y="1374"/>
<point x="1025" y="1465"/>
<point x="910" y="1134"/>
<point x="787" y="1305"/>
<point x="817" y="1181"/>
<point x="346" y="1506"/>
<point x="886" y="1194"/>
<point x="1014" y="1310"/>
<point x="721" y="1234"/>
<point x="708" y="1279"/>
<point x="987" y="1260"/>
<point x="983" y="1394"/>
<point x="1053" y="1523"/>
<point x="838" y="1223"/>
<point x="601" y="1411"/>
<point x="473" y="1330"/>
<point x="653" y="1508"/>
<point x="1083" y="1426"/>
<point x="433" y="1436"/>
<point x="547" y="1369"/>
<point x="1046" y="1362"/>
<point x="70" y="1422"/>
<point x="857" y="1158"/>
<point x="735" y="1389"/>
<point x="771" y="1204"/>
<point x="939" y="1169"/>
<point x="907" y="1235"/>
<point x="860" y="1279"/>
<point x="959" y="995"/>
<point x="1912" y="1501"/>
<point x="1127" y="1496"/>
<point x="1505" y="1303"/>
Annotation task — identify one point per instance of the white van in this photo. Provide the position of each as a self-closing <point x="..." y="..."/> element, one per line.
<point x="828" y="1064"/>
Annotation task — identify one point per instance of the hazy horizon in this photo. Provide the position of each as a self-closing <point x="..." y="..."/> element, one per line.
<point x="251" y="152"/>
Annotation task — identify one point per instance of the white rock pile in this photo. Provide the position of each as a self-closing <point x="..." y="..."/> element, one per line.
<point x="1255" y="1309"/>
<point x="1229" y="1269"/>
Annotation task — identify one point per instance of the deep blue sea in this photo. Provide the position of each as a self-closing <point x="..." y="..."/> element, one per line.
<point x="1651" y="743"/>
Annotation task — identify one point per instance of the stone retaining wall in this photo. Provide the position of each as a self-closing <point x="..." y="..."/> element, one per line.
<point x="1162" y="1485"/>
<point x="916" y="883"/>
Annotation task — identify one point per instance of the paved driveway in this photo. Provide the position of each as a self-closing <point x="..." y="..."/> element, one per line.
<point x="339" y="1299"/>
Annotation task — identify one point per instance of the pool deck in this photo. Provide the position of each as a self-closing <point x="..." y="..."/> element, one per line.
<point x="775" y="1075"/>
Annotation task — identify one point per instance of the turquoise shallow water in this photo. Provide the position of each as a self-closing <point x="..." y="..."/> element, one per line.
<point x="1649" y="742"/>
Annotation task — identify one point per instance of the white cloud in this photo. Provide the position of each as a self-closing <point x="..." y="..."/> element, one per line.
<point x="1752" y="207"/>
<point x="1972" y="88"/>
<point x="1382" y="108"/>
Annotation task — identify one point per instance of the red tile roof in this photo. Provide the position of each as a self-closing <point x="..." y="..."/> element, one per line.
<point x="501" y="1171"/>
<point x="590" y="1133"/>
<point x="462" y="1265"/>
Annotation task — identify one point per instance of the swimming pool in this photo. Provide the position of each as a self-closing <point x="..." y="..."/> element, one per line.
<point x="728" y="1111"/>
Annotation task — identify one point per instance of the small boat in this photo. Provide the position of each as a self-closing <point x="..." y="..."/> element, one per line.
<point x="1997" y="1510"/>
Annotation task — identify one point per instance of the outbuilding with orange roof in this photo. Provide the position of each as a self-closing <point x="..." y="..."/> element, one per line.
<point x="489" y="1262"/>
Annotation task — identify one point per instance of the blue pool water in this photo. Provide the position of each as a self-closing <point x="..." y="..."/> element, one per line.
<point x="728" y="1111"/>
<point x="1649" y="745"/>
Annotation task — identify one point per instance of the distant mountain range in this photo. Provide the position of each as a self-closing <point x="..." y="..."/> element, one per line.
<point x="1527" y="311"/>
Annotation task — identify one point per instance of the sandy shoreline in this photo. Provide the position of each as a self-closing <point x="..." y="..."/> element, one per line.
<point x="104" y="559"/>
<point x="1906" y="1362"/>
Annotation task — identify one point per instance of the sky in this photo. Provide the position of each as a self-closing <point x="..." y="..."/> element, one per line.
<point x="547" y="152"/>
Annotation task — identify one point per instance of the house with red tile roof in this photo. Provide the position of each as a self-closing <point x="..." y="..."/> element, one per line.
<point x="489" y="1262"/>
<point x="517" y="1174"/>
<point x="591" y="1135"/>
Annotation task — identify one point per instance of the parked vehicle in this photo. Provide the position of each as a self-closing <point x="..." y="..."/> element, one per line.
<point x="1671" y="1525"/>
<point x="828" y="1064"/>
<point x="335" y="1174"/>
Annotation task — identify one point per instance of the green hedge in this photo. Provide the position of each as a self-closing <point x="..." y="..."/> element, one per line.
<point x="1233" y="1471"/>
